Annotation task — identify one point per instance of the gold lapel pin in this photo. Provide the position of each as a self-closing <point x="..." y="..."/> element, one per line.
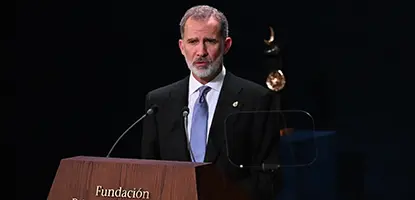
<point x="235" y="104"/>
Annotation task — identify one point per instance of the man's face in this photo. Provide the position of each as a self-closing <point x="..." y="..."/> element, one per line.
<point x="203" y="47"/>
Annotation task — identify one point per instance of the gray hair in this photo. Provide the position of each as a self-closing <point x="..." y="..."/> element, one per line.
<point x="204" y="12"/>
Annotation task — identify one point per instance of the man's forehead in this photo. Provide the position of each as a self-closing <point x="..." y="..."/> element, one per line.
<point x="194" y="23"/>
<point x="207" y="28"/>
<point x="209" y="20"/>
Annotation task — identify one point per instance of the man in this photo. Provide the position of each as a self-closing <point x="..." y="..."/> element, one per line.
<point x="212" y="93"/>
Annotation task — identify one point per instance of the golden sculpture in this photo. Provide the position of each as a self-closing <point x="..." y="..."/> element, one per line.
<point x="276" y="79"/>
<point x="271" y="37"/>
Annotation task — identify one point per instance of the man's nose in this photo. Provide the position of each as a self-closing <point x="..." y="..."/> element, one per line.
<point x="201" y="50"/>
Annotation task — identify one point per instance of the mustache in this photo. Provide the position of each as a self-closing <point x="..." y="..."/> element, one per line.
<point x="202" y="60"/>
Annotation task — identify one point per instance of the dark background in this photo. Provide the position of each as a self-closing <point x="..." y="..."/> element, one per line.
<point x="83" y="68"/>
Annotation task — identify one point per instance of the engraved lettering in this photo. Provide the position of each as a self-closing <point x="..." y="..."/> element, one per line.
<point x="138" y="194"/>
<point x="98" y="190"/>
<point x="124" y="193"/>
<point x="146" y="195"/>
<point x="129" y="194"/>
<point x="120" y="192"/>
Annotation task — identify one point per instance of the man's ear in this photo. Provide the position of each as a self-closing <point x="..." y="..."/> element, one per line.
<point x="228" y="44"/>
<point x="181" y="46"/>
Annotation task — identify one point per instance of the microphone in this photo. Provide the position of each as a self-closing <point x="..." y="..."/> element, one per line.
<point x="185" y="113"/>
<point x="150" y="111"/>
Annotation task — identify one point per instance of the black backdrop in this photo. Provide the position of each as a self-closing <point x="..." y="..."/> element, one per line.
<point x="88" y="64"/>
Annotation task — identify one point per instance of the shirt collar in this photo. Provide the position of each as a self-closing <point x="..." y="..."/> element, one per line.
<point x="215" y="84"/>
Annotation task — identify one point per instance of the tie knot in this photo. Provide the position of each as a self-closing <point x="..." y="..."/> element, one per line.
<point x="203" y="90"/>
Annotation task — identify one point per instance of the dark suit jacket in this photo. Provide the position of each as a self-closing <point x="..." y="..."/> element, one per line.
<point x="251" y="140"/>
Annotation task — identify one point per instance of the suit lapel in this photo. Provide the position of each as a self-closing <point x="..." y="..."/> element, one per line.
<point x="228" y="96"/>
<point x="177" y="136"/>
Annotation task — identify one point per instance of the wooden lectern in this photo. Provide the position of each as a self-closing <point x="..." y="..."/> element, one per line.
<point x="93" y="178"/>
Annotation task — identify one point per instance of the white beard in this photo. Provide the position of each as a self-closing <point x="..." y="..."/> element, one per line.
<point x="207" y="71"/>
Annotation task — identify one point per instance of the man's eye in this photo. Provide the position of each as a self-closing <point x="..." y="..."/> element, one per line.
<point x="212" y="41"/>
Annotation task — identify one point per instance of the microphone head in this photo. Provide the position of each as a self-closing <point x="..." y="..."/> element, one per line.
<point x="152" y="110"/>
<point x="185" y="111"/>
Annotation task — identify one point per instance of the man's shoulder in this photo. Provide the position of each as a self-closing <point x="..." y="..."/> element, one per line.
<point x="166" y="89"/>
<point x="266" y="98"/>
<point x="250" y="86"/>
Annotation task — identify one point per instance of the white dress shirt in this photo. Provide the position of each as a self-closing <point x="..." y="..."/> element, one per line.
<point x="211" y="98"/>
